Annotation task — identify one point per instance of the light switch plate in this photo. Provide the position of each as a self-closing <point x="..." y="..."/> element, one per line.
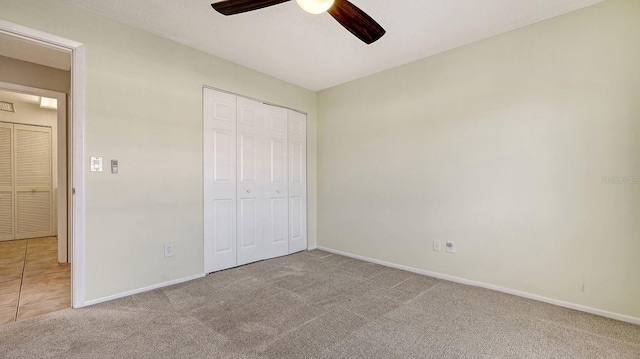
<point x="96" y="164"/>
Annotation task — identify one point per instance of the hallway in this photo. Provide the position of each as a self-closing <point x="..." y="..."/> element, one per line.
<point x="32" y="282"/>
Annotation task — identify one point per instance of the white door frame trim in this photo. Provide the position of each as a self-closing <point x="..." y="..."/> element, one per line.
<point x="77" y="115"/>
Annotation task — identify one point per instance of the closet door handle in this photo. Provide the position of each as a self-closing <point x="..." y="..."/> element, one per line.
<point x="248" y="191"/>
<point x="278" y="191"/>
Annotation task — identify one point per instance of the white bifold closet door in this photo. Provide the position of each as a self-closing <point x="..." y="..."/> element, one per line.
<point x="33" y="179"/>
<point x="262" y="181"/>
<point x="276" y="193"/>
<point x="250" y="176"/>
<point x="297" y="182"/>
<point x="26" y="178"/>
<point x="219" y="148"/>
<point x="259" y="155"/>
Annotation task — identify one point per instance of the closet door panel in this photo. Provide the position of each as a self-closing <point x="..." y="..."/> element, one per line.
<point x="223" y="228"/>
<point x="219" y="146"/>
<point x="33" y="182"/>
<point x="255" y="181"/>
<point x="278" y="220"/>
<point x="276" y="188"/>
<point x="6" y="182"/>
<point x="297" y="182"/>
<point x="250" y="178"/>
<point x="248" y="158"/>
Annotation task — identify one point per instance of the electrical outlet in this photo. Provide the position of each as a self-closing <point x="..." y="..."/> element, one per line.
<point x="436" y="246"/>
<point x="451" y="247"/>
<point x="168" y="250"/>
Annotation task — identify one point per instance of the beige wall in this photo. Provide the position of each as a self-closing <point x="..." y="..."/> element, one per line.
<point x="144" y="108"/>
<point x="33" y="75"/>
<point x="500" y="146"/>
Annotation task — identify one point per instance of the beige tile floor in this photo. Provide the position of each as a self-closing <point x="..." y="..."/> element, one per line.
<point x="32" y="282"/>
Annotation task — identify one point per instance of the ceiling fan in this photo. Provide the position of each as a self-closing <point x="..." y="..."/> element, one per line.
<point x="348" y="15"/>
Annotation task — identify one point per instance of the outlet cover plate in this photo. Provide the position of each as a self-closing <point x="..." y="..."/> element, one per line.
<point x="451" y="247"/>
<point x="168" y="250"/>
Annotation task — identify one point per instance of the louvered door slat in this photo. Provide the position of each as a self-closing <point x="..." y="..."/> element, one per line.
<point x="6" y="182"/>
<point x="6" y="215"/>
<point x="33" y="157"/>
<point x="33" y="213"/>
<point x="6" y="162"/>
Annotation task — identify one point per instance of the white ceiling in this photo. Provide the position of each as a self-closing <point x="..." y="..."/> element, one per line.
<point x="314" y="51"/>
<point x="25" y="50"/>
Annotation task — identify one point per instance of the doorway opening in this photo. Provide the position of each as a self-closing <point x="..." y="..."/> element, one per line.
<point x="35" y="275"/>
<point x="41" y="173"/>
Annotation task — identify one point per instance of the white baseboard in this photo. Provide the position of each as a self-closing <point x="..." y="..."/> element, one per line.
<point x="141" y="290"/>
<point x="312" y="248"/>
<point x="603" y="313"/>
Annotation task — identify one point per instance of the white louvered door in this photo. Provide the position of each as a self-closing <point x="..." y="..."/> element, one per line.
<point x="33" y="182"/>
<point x="6" y="183"/>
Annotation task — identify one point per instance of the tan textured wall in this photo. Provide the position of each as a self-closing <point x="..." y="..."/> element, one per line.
<point x="34" y="75"/>
<point x="500" y="146"/>
<point x="144" y="108"/>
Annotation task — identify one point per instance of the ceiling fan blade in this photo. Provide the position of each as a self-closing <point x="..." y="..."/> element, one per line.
<point x="232" y="7"/>
<point x="356" y="21"/>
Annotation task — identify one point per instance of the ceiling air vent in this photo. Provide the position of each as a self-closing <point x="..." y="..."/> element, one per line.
<point x="7" y="106"/>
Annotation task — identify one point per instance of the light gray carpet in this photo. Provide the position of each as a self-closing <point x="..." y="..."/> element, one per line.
<point x="318" y="305"/>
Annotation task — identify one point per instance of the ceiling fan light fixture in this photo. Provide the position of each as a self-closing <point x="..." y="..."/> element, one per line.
<point x="315" y="6"/>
